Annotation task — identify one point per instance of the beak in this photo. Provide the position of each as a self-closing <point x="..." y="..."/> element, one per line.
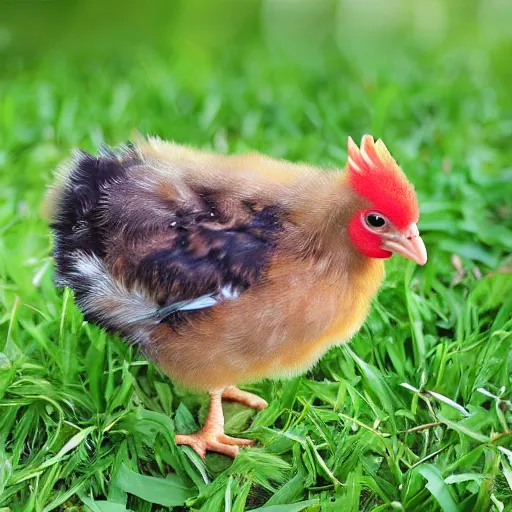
<point x="407" y="243"/>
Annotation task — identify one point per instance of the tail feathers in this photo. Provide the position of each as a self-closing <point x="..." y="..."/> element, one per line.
<point x="106" y="302"/>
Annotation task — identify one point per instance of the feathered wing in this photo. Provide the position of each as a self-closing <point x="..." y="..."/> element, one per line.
<point x="205" y="263"/>
<point x="134" y="251"/>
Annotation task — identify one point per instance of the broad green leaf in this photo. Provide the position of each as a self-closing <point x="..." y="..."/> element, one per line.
<point x="170" y="491"/>
<point x="463" y="477"/>
<point x="437" y="487"/>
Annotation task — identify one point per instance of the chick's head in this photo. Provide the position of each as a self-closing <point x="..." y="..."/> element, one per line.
<point x="388" y="223"/>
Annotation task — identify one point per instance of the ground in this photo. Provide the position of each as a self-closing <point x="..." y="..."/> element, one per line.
<point x="415" y="413"/>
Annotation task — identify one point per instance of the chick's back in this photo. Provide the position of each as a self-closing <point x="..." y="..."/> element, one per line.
<point x="202" y="260"/>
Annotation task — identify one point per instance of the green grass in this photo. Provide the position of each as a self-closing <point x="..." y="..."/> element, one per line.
<point x="85" y="421"/>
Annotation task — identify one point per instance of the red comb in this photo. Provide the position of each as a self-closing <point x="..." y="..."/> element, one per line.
<point x="374" y="174"/>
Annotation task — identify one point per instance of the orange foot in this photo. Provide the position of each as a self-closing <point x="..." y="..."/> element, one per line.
<point x="212" y="437"/>
<point x="244" y="398"/>
<point x="213" y="441"/>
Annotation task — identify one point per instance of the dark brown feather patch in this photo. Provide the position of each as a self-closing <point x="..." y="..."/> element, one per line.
<point x="169" y="249"/>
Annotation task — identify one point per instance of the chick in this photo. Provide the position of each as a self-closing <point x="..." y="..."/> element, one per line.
<point x="229" y="269"/>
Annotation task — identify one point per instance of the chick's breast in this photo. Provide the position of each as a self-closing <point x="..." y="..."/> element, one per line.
<point x="276" y="329"/>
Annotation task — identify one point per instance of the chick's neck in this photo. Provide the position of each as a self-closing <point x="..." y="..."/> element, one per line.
<point x="321" y="219"/>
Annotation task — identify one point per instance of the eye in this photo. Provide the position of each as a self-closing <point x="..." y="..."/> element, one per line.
<point x="375" y="221"/>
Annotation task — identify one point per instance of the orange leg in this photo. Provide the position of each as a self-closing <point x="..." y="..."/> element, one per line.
<point x="211" y="437"/>
<point x="244" y="397"/>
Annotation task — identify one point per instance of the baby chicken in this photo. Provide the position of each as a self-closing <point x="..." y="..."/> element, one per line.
<point x="229" y="269"/>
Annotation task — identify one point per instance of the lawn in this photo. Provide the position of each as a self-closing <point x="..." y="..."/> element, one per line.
<point x="415" y="414"/>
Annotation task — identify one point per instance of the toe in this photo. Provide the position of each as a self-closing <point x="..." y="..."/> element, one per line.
<point x="223" y="438"/>
<point x="194" y="441"/>
<point x="224" y="449"/>
<point x="244" y="397"/>
<point x="258" y="403"/>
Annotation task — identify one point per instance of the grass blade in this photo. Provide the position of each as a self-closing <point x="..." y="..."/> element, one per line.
<point x="170" y="491"/>
<point x="437" y="487"/>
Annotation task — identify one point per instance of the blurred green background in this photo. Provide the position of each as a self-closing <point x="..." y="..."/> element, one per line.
<point x="83" y="417"/>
